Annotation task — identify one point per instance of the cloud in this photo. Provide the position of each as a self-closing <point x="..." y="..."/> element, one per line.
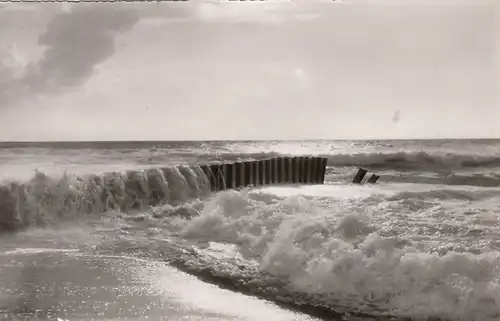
<point x="76" y="41"/>
<point x="258" y="12"/>
<point x="18" y="7"/>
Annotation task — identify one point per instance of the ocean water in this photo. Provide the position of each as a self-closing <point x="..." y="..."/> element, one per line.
<point x="422" y="244"/>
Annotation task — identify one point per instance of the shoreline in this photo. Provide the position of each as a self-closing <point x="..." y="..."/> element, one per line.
<point x="57" y="284"/>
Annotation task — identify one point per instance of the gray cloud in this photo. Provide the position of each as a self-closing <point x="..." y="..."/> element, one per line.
<point x="76" y="41"/>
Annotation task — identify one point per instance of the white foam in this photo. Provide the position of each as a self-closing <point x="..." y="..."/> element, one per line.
<point x="45" y="199"/>
<point x="409" y="256"/>
<point x="349" y="191"/>
<point x="30" y="251"/>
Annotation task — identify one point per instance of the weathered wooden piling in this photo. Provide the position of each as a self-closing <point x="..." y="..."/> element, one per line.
<point x="319" y="170"/>
<point x="373" y="179"/>
<point x="238" y="179"/>
<point x="309" y="163"/>
<point x="324" y="164"/>
<point x="268" y="172"/>
<point x="262" y="172"/>
<point x="295" y="170"/>
<point x="275" y="171"/>
<point x="314" y="170"/>
<point x="287" y="168"/>
<point x="256" y="171"/>
<point x="218" y="176"/>
<point x="229" y="175"/>
<point x="359" y="176"/>
<point x="207" y="170"/>
<point x="248" y="173"/>
<point x="280" y="170"/>
<point x="302" y="170"/>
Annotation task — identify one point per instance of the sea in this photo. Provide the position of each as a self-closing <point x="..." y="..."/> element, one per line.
<point x="130" y="231"/>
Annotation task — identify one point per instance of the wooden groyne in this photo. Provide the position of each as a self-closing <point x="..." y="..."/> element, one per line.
<point x="280" y="170"/>
<point x="45" y="200"/>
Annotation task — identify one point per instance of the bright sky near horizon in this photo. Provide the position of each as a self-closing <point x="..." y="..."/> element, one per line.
<point x="205" y="69"/>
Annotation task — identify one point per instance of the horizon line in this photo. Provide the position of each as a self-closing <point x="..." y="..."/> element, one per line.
<point x="243" y="140"/>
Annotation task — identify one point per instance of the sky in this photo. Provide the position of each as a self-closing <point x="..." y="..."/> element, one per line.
<point x="276" y="69"/>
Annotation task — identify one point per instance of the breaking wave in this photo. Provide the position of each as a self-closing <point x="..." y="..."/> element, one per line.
<point x="358" y="257"/>
<point x="402" y="254"/>
<point x="400" y="160"/>
<point x="384" y="256"/>
<point x="378" y="160"/>
<point x="44" y="199"/>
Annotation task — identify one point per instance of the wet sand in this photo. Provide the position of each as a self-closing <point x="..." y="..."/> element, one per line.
<point x="38" y="284"/>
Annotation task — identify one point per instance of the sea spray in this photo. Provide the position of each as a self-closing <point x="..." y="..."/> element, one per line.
<point x="45" y="200"/>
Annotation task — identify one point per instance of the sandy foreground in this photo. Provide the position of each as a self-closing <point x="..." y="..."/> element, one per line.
<point x="45" y="284"/>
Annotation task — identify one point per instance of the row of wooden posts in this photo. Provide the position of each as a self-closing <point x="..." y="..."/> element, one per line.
<point x="281" y="170"/>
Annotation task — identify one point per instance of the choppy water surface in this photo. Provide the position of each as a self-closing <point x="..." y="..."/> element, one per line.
<point x="423" y="243"/>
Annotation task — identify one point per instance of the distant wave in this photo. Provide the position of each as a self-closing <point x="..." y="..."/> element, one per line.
<point x="414" y="160"/>
<point x="479" y="179"/>
<point x="159" y="156"/>
<point x="393" y="160"/>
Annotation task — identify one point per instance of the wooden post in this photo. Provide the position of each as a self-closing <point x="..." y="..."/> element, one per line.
<point x="302" y="167"/>
<point x="373" y="179"/>
<point x="281" y="170"/>
<point x="269" y="171"/>
<point x="256" y="171"/>
<point x="218" y="176"/>
<point x="276" y="170"/>
<point x="359" y="176"/>
<point x="262" y="172"/>
<point x="229" y="175"/>
<point x="238" y="178"/>
<point x="295" y="170"/>
<point x="308" y="177"/>
<point x="248" y="169"/>
<point x="287" y="166"/>
<point x="207" y="169"/>
<point x="324" y="164"/>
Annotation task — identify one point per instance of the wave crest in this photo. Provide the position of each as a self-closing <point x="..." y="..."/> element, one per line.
<point x="45" y="200"/>
<point x="394" y="160"/>
<point x="413" y="160"/>
<point x="340" y="260"/>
